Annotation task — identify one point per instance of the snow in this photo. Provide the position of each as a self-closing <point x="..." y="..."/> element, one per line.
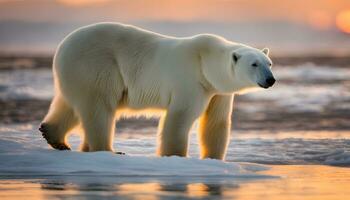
<point x="24" y="153"/>
<point x="49" y="162"/>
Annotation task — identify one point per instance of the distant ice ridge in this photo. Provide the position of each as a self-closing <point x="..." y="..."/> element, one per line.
<point x="310" y="88"/>
<point x="310" y="72"/>
<point x="300" y="98"/>
<point x="340" y="158"/>
<point x="24" y="153"/>
<point x="38" y="83"/>
<point x="26" y="84"/>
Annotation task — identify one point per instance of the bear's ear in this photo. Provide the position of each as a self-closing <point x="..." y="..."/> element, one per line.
<point x="235" y="56"/>
<point x="265" y="51"/>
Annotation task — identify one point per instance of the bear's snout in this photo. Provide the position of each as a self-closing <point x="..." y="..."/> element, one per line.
<point x="270" y="81"/>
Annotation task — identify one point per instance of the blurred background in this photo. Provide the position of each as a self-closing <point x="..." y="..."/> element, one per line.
<point x="289" y="26"/>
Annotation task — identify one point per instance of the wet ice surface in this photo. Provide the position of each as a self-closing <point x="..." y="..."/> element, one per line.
<point x="28" y="165"/>
<point x="26" y="153"/>
<point x="291" y="151"/>
<point x="24" y="144"/>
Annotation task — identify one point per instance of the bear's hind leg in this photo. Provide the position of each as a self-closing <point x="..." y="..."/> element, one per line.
<point x="56" y="124"/>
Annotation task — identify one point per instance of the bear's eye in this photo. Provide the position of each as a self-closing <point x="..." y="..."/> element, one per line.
<point x="254" y="64"/>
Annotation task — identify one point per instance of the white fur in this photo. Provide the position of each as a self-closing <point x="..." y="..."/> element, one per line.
<point x="106" y="70"/>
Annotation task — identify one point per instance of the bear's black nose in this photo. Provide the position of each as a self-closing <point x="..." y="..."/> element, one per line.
<point x="270" y="81"/>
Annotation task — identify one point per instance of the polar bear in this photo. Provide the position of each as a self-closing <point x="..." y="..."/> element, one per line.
<point x="106" y="70"/>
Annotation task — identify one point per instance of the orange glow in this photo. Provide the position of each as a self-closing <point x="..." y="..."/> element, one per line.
<point x="343" y="21"/>
<point x="320" y="20"/>
<point x="307" y="182"/>
<point x="197" y="190"/>
<point x="139" y="187"/>
<point x="177" y="10"/>
<point x="81" y="2"/>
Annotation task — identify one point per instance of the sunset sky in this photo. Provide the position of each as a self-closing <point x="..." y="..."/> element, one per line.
<point x="320" y="14"/>
<point x="274" y="22"/>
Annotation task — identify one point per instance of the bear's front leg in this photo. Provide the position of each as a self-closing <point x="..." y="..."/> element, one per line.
<point x="174" y="129"/>
<point x="215" y="127"/>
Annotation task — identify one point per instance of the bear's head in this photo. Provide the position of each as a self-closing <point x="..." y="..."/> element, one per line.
<point x="252" y="67"/>
<point x="235" y="69"/>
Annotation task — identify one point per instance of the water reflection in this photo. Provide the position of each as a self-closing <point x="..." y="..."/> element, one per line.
<point x="153" y="190"/>
<point x="205" y="190"/>
<point x="297" y="182"/>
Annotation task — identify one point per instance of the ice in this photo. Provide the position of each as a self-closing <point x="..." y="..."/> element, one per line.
<point x="24" y="153"/>
<point x="310" y="72"/>
<point x="296" y="151"/>
<point x="299" y="98"/>
<point x="299" y="88"/>
<point x="49" y="162"/>
<point x="26" y="84"/>
<point x="30" y="170"/>
<point x="340" y="158"/>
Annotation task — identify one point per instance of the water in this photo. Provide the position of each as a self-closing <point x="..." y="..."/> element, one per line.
<point x="322" y="182"/>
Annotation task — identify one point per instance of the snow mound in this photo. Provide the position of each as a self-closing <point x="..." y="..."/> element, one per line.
<point x="24" y="153"/>
<point x="50" y="162"/>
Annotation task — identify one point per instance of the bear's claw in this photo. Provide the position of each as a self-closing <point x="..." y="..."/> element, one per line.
<point x="60" y="146"/>
<point x="43" y="128"/>
<point x="44" y="132"/>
